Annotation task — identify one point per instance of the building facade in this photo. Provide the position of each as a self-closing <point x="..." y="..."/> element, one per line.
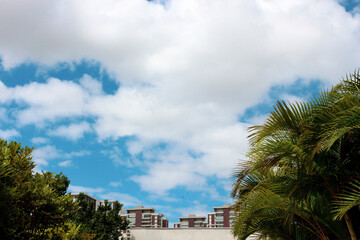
<point x="222" y="217"/>
<point x="182" y="234"/>
<point x="141" y="217"/>
<point x="191" y="221"/>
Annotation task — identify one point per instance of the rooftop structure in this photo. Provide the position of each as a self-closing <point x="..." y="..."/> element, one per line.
<point x="191" y="221"/>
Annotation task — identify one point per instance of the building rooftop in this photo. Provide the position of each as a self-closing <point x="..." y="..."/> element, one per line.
<point x="77" y="194"/>
<point x="139" y="208"/>
<point x="224" y="206"/>
<point x="192" y="216"/>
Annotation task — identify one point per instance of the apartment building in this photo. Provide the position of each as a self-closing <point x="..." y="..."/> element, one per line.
<point x="141" y="217"/>
<point x="164" y="222"/>
<point x="145" y="218"/>
<point x="191" y="221"/>
<point x="88" y="198"/>
<point x="110" y="202"/>
<point x="222" y="217"/>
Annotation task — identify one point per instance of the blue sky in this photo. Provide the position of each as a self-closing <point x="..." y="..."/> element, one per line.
<point x="148" y="103"/>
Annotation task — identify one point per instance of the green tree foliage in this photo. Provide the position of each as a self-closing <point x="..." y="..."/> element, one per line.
<point x="302" y="177"/>
<point x="105" y="223"/>
<point x="32" y="205"/>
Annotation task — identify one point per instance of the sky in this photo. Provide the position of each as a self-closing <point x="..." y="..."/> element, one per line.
<point x="149" y="102"/>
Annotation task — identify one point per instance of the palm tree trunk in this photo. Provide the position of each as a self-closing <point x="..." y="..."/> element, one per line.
<point x="346" y="216"/>
<point x="350" y="227"/>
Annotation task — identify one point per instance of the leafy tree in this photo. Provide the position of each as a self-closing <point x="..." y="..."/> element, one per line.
<point x="105" y="223"/>
<point x="32" y="204"/>
<point x="303" y="168"/>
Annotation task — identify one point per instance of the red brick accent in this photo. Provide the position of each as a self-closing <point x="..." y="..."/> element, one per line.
<point x="153" y="220"/>
<point x="138" y="218"/>
<point x="226" y="217"/>
<point x="165" y="224"/>
<point x="191" y="222"/>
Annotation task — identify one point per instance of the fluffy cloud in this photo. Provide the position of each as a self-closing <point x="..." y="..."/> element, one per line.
<point x="9" y="134"/>
<point x="3" y="114"/>
<point x="39" y="140"/>
<point x="49" y="101"/>
<point x="53" y="101"/>
<point x="186" y="71"/>
<point x="72" y="131"/>
<point x="66" y="163"/>
<point x="118" y="158"/>
<point x="123" y="198"/>
<point x="115" y="184"/>
<point x="42" y="155"/>
<point x="198" y="209"/>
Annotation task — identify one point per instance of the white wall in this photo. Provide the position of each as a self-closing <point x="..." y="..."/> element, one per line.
<point x="181" y="234"/>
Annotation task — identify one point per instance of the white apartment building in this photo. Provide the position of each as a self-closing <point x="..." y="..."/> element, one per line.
<point x="222" y="217"/>
<point x="145" y="218"/>
<point x="90" y="199"/>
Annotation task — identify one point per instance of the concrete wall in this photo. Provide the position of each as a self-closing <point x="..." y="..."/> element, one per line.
<point x="181" y="234"/>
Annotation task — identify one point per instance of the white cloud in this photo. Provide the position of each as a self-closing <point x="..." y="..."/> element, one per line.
<point x="42" y="155"/>
<point x="53" y="101"/>
<point x="118" y="158"/>
<point x="186" y="72"/>
<point x="91" y="85"/>
<point x="50" y="101"/>
<point x="9" y="134"/>
<point x="115" y="184"/>
<point x="123" y="198"/>
<point x="258" y="119"/>
<point x="6" y="93"/>
<point x="3" y="114"/>
<point x="39" y="140"/>
<point x="197" y="208"/>
<point x="210" y="192"/>
<point x="163" y="176"/>
<point x="66" y="163"/>
<point x="80" y="153"/>
<point x="291" y="98"/>
<point x="72" y="131"/>
<point x="78" y="189"/>
<point x="226" y="184"/>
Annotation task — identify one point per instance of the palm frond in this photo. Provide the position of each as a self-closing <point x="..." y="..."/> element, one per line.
<point x="347" y="200"/>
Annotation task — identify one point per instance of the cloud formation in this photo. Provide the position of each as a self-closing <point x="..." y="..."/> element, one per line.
<point x="42" y="155"/>
<point x="186" y="72"/>
<point x="9" y="134"/>
<point x="66" y="163"/>
<point x="72" y="131"/>
<point x="123" y="198"/>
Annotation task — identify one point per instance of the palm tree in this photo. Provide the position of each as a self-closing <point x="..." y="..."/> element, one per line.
<point x="305" y="161"/>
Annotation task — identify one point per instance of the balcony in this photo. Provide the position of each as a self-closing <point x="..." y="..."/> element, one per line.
<point x="219" y="219"/>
